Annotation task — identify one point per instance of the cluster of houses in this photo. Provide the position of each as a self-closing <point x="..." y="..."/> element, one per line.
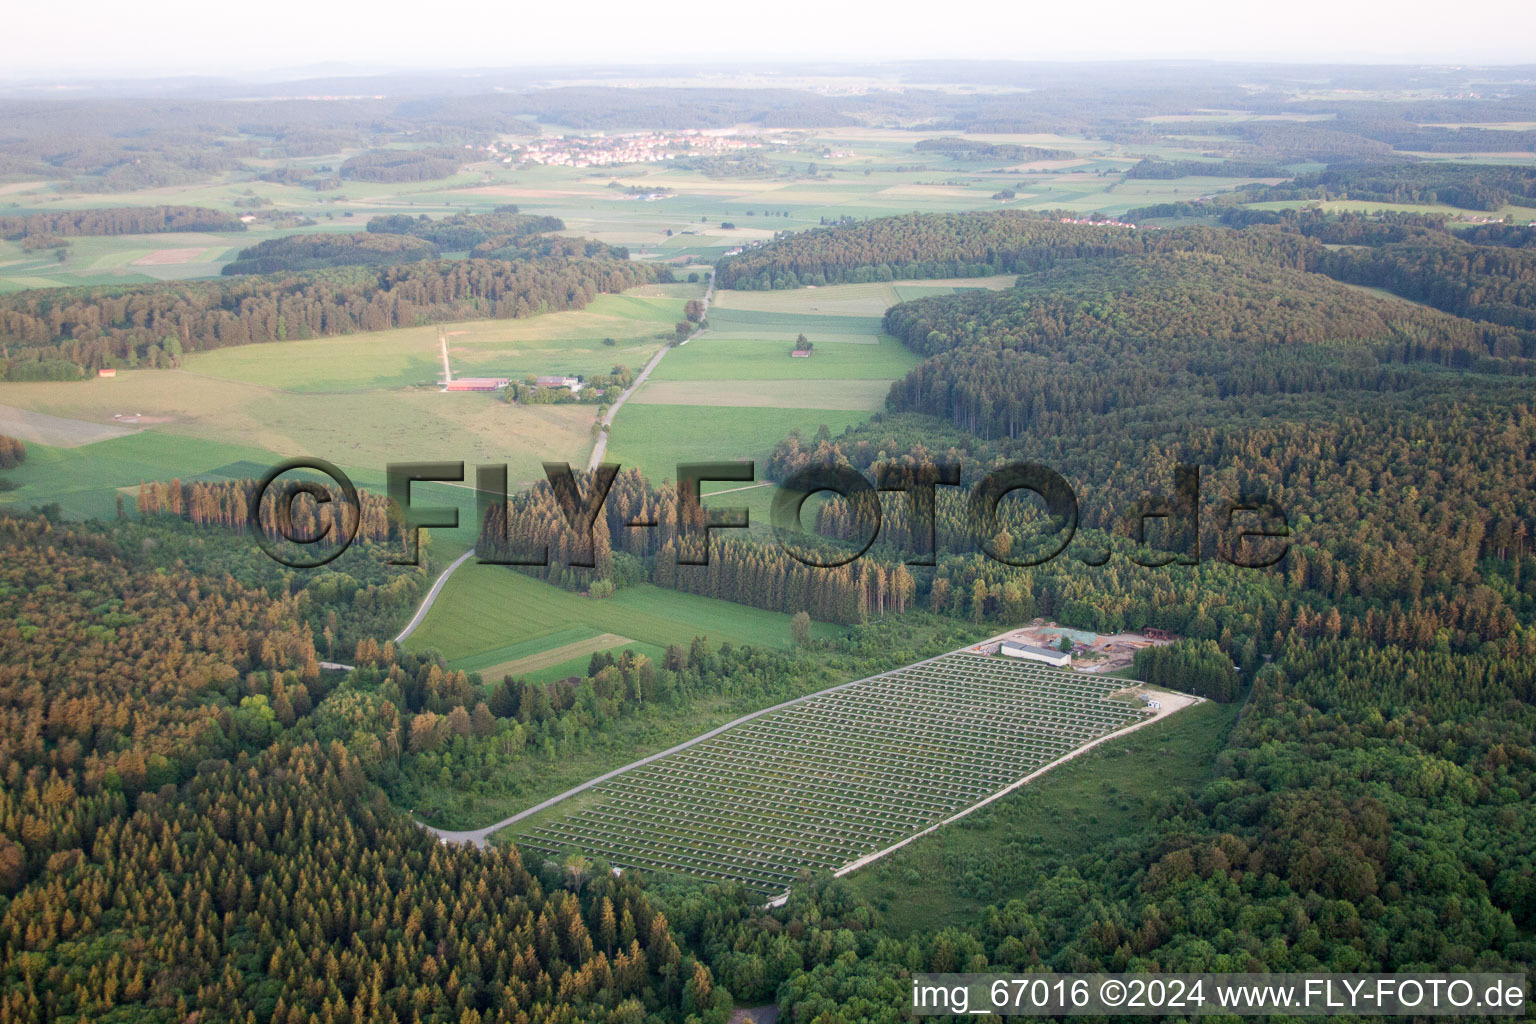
<point x="1097" y="222"/>
<point x="738" y="250"/>
<point x="602" y="150"/>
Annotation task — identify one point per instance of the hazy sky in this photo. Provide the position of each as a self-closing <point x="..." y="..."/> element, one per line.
<point x="167" y="37"/>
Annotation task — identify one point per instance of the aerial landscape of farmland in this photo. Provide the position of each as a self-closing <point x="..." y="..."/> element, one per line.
<point x="507" y="532"/>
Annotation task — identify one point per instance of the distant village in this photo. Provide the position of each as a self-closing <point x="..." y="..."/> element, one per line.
<point x="603" y="150"/>
<point x="1097" y="222"/>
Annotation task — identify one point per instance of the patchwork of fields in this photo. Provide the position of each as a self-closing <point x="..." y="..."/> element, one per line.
<point x="877" y="173"/>
<point x="360" y="401"/>
<point x="575" y="342"/>
<point x="734" y="391"/>
<point x="822" y="782"/>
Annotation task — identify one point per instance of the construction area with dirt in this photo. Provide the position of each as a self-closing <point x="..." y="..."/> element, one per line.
<point x="1091" y="652"/>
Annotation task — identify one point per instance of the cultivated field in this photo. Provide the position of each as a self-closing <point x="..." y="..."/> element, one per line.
<point x="734" y="391"/>
<point x="85" y="481"/>
<point x="870" y="299"/>
<point x="769" y="394"/>
<point x="555" y="343"/>
<point x="557" y="655"/>
<point x="361" y="431"/>
<point x="57" y="431"/>
<point x="490" y="615"/>
<point x="876" y="173"/>
<point x="119" y="259"/>
<point x="830" y="780"/>
<point x="360" y="401"/>
<point x="714" y="356"/>
<point x="657" y="437"/>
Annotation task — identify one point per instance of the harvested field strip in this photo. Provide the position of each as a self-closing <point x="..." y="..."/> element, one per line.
<point x="555" y="655"/>
<point x="55" y="431"/>
<point x="524" y="648"/>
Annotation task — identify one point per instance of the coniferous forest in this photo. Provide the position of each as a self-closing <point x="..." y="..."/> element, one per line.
<point x="64" y="333"/>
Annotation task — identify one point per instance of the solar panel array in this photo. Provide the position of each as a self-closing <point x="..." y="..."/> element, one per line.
<point x="838" y="776"/>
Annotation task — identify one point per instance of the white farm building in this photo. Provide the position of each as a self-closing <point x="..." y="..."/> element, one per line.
<point x="1029" y="652"/>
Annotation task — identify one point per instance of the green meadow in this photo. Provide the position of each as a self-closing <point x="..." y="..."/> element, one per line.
<point x="86" y="481"/>
<point x="1090" y="802"/>
<point x="658" y="437"/>
<point x="735" y="391"/>
<point x="572" y="342"/>
<point x="836" y="395"/>
<point x="360" y="401"/>
<point x="489" y="614"/>
<point x="578" y="666"/>
<point x="365" y="430"/>
<point x="715" y="357"/>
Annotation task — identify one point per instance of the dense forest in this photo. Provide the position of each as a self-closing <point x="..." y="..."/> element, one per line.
<point x="118" y="220"/>
<point x="1469" y="186"/>
<point x="953" y="245"/>
<point x="394" y="239"/>
<point x="463" y="231"/>
<point x="1481" y="282"/>
<point x="90" y="159"/>
<point x="186" y="834"/>
<point x="1369" y="786"/>
<point x="1164" y="169"/>
<point x="1200" y="667"/>
<point x="1114" y="370"/>
<point x="971" y="149"/>
<point x="397" y="165"/>
<point x="1386" y="662"/>
<point x="63" y="333"/>
<point x="295" y="253"/>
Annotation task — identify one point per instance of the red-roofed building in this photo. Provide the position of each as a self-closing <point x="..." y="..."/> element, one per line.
<point x="476" y="384"/>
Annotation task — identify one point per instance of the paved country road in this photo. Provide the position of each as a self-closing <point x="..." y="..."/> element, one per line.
<point x="601" y="445"/>
<point x="426" y="604"/>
